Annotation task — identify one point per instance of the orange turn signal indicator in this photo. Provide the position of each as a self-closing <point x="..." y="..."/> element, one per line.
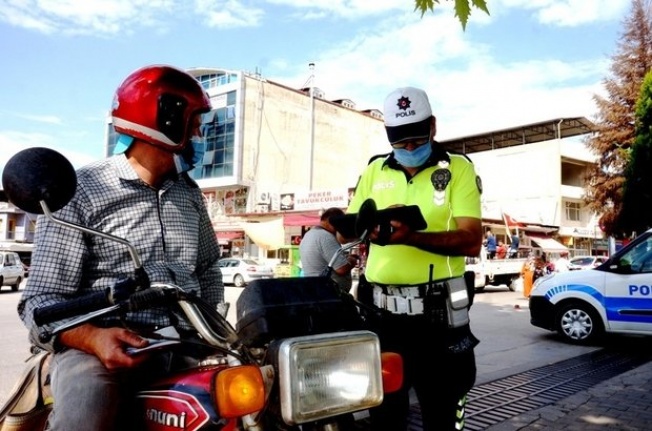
<point x="239" y="391"/>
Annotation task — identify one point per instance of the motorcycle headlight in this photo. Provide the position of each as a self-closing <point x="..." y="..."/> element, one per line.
<point x="329" y="374"/>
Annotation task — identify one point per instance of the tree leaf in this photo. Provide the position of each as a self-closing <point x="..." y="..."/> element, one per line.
<point x="462" y="10"/>
<point x="482" y="5"/>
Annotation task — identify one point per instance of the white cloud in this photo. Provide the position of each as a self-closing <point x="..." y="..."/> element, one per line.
<point x="567" y="13"/>
<point x="48" y="119"/>
<point x="12" y="142"/>
<point x="110" y="17"/>
<point x="397" y="51"/>
<point x="228" y="14"/>
<point x="310" y="9"/>
<point x="96" y="17"/>
<point x="470" y="91"/>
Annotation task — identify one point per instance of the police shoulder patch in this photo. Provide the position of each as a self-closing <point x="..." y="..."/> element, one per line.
<point x="478" y="183"/>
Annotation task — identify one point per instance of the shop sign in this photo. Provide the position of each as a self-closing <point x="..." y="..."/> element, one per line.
<point x="580" y="232"/>
<point x="315" y="200"/>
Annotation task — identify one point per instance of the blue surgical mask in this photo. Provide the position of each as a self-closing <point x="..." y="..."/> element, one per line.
<point x="191" y="155"/>
<point x="122" y="144"/>
<point x="414" y="158"/>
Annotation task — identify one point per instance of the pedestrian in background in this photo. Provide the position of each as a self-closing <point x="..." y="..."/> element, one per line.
<point x="512" y="253"/>
<point x="490" y="245"/>
<point x="501" y="250"/>
<point x="318" y="247"/>
<point x="562" y="264"/>
<point x="527" y="272"/>
<point x="416" y="277"/>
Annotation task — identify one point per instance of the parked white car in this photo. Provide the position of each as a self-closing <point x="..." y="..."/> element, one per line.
<point x="240" y="272"/>
<point x="11" y="270"/>
<point x="586" y="262"/>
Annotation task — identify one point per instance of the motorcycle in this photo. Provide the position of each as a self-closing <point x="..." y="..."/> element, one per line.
<point x="300" y="356"/>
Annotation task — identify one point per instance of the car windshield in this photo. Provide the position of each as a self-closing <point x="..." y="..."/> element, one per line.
<point x="582" y="261"/>
<point x="250" y="262"/>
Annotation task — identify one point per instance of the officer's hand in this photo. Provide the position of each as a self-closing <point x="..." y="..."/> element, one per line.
<point x="400" y="232"/>
<point x="394" y="232"/>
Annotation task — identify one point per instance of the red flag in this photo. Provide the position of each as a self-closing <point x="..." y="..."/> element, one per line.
<point x="511" y="221"/>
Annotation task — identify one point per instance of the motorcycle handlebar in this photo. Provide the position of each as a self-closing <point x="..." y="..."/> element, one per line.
<point x="113" y="301"/>
<point x="72" y="308"/>
<point x="85" y="304"/>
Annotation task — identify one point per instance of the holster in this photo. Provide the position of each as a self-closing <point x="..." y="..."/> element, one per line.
<point x="365" y="291"/>
<point x="469" y="278"/>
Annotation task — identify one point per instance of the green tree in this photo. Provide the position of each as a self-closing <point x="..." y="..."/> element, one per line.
<point x="462" y="8"/>
<point x="615" y="125"/>
<point x="637" y="192"/>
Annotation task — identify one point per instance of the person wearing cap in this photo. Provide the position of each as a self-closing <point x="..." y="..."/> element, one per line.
<point x="415" y="278"/>
<point x="142" y="193"/>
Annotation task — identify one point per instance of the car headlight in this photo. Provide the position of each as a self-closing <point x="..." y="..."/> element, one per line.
<point x="329" y="374"/>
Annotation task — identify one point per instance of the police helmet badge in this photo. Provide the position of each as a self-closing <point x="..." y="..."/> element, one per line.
<point x="440" y="179"/>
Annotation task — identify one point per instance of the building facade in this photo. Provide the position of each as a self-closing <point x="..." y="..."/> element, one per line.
<point x="537" y="190"/>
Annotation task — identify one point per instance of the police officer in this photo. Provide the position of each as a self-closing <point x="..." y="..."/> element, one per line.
<point x="416" y="276"/>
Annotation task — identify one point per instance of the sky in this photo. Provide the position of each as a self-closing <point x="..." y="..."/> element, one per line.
<point x="528" y="61"/>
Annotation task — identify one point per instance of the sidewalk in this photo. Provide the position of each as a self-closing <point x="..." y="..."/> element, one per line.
<point x="623" y="403"/>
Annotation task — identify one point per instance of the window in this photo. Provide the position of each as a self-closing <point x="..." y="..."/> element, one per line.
<point x="573" y="211"/>
<point x="639" y="258"/>
<point x="212" y="80"/>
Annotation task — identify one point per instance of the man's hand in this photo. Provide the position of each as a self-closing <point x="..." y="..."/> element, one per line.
<point x="108" y="344"/>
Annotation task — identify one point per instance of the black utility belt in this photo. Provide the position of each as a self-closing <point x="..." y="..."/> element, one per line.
<point x="408" y="299"/>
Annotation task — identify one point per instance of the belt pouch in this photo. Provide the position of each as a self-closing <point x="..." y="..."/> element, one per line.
<point x="457" y="303"/>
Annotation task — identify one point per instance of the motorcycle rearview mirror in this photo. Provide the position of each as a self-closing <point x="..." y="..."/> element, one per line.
<point x="40" y="180"/>
<point x="39" y="176"/>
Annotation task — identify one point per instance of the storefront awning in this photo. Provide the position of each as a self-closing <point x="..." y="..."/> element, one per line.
<point x="547" y="244"/>
<point x="223" y="237"/>
<point x="268" y="235"/>
<point x="309" y="218"/>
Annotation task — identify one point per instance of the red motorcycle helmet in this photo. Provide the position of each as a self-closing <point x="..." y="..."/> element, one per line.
<point x="158" y="104"/>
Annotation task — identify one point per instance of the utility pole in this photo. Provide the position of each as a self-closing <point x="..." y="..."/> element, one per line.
<point x="312" y="123"/>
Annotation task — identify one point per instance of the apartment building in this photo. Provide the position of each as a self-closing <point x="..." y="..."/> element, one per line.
<point x="533" y="184"/>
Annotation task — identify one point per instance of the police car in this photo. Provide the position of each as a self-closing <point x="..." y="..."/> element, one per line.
<point x="615" y="297"/>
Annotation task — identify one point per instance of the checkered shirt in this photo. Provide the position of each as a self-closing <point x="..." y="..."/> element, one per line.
<point x="169" y="227"/>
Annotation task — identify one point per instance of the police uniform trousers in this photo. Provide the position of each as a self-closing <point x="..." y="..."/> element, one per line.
<point x="433" y="364"/>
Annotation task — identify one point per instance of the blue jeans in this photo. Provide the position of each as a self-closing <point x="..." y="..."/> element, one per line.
<point x="87" y="396"/>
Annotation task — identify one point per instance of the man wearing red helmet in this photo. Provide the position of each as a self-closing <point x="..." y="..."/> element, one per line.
<point x="144" y="194"/>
